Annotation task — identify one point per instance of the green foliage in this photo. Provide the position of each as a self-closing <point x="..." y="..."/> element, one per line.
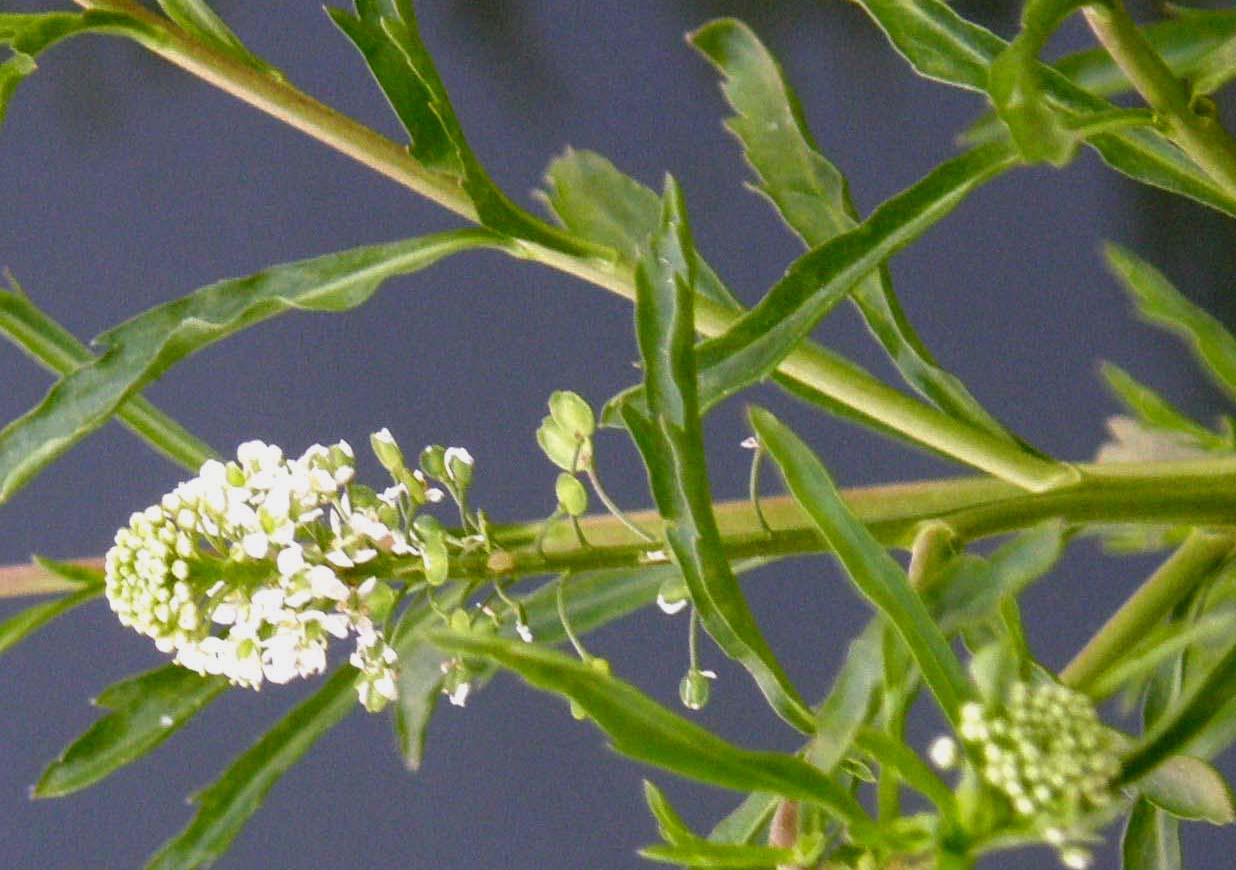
<point x="17" y="628"/>
<point x="144" y="711"/>
<point x="225" y="806"/>
<point x="196" y="17"/>
<point x="140" y="350"/>
<point x="1151" y="840"/>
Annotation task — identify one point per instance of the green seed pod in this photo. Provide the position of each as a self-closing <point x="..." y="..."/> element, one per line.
<point x="433" y="461"/>
<point x="694" y="690"/>
<point x="428" y="527"/>
<point x="436" y="560"/>
<point x="379" y="602"/>
<point x="387" y="450"/>
<point x="572" y="497"/>
<point x="572" y="413"/>
<point x="460" y="621"/>
<point x="559" y="446"/>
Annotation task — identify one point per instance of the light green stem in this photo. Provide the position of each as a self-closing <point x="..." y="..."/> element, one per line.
<point x="1196" y="560"/>
<point x="1198" y="134"/>
<point x="808" y="364"/>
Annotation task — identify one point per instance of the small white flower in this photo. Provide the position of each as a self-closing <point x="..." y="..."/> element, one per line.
<point x="458" y="696"/>
<point x="326" y="584"/>
<point x="290" y="561"/>
<point x="943" y="753"/>
<point x="750" y="443"/>
<point x="524" y="632"/>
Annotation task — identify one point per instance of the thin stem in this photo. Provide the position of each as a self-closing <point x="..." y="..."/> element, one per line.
<point x="560" y="598"/>
<point x="753" y="487"/>
<point x="613" y="508"/>
<point x="809" y="364"/>
<point x="1195" y="561"/>
<point x="693" y="641"/>
<point x="1198" y="134"/>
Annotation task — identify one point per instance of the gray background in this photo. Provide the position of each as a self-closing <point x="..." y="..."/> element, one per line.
<point x="126" y="183"/>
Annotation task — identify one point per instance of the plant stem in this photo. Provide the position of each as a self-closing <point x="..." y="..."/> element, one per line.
<point x="1200" y="135"/>
<point x="808" y="364"/>
<point x="1196" y="560"/>
<point x="1191" y="493"/>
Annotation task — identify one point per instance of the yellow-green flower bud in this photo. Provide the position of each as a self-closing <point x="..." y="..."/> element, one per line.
<point x="572" y="413"/>
<point x="387" y="450"/>
<point x="433" y="461"/>
<point x="572" y="497"/>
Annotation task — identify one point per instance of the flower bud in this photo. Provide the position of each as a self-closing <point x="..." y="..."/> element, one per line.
<point x="561" y="447"/>
<point x="572" y="413"/>
<point x="458" y="464"/>
<point x="572" y="497"/>
<point x="694" y="690"/>
<point x="433" y="461"/>
<point x="387" y="450"/>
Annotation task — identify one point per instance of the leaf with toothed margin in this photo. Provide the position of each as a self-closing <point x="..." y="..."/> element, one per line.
<point x="142" y="349"/>
<point x="30" y="34"/>
<point x="813" y="199"/>
<point x="942" y="45"/>
<point x="670" y="439"/>
<point x="387" y="35"/>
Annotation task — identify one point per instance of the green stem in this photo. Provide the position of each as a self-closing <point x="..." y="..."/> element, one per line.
<point x="1195" y="561"/>
<point x="1198" y="134"/>
<point x="809" y="364"/>
<point x="1189" y="493"/>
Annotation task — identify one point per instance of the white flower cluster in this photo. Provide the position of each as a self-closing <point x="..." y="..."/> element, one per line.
<point x="234" y="572"/>
<point x="1049" y="754"/>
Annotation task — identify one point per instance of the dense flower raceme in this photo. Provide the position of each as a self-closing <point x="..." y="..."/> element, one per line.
<point x="1047" y="753"/>
<point x="249" y="569"/>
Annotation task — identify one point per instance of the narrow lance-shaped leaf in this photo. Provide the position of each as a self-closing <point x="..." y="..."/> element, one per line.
<point x="225" y="806"/>
<point x="386" y="34"/>
<point x="1151" y="840"/>
<point x="145" y="711"/>
<point x="644" y="730"/>
<point x="1162" y="304"/>
<point x="1216" y="69"/>
<point x="942" y="45"/>
<point x="813" y="198"/>
<point x="196" y="17"/>
<point x="53" y="346"/>
<point x="20" y="626"/>
<point x="821" y="278"/>
<point x="1156" y="412"/>
<point x="878" y="577"/>
<point x="139" y="351"/>
<point x="597" y="202"/>
<point x="671" y="442"/>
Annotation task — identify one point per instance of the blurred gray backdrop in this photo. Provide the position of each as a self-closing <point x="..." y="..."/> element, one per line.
<point x="126" y="183"/>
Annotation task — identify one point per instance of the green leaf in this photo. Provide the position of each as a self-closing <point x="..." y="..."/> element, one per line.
<point x="386" y="34"/>
<point x="196" y="17"/>
<point x="747" y="821"/>
<point x="874" y="572"/>
<point x="1186" y="44"/>
<point x="813" y="198"/>
<point x="596" y="598"/>
<point x="1216" y="69"/>
<point x="972" y="589"/>
<point x="20" y="626"/>
<point x="592" y="199"/>
<point x="942" y="45"/>
<point x="139" y="351"/>
<point x="1170" y="640"/>
<point x="1162" y="304"/>
<point x="1151" y="840"/>
<point x="892" y="754"/>
<point x="702" y="853"/>
<point x="225" y="806"/>
<point x="1202" y="702"/>
<point x="671" y="826"/>
<point x="671" y="441"/>
<point x="819" y="279"/>
<point x="54" y="347"/>
<point x="29" y="34"/>
<point x="1015" y="86"/>
<point x="1189" y="788"/>
<point x="849" y="703"/>
<point x="646" y="731"/>
<point x="145" y="711"/>
<point x="1156" y="412"/>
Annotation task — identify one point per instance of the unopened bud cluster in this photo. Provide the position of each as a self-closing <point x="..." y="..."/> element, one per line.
<point x="248" y="569"/>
